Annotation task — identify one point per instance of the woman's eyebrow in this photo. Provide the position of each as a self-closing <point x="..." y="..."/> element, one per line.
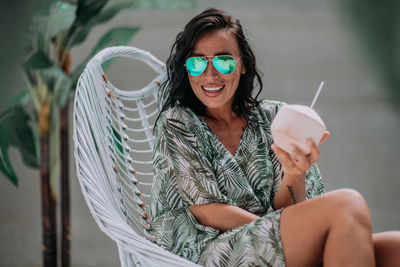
<point x="216" y="54"/>
<point x="223" y="53"/>
<point x="196" y="55"/>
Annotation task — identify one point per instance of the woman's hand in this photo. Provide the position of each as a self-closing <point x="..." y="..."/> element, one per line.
<point x="292" y="187"/>
<point x="299" y="163"/>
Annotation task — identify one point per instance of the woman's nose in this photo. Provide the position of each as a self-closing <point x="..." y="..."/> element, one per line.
<point x="210" y="69"/>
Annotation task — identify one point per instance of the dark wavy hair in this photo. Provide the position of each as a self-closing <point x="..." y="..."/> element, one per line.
<point x="177" y="90"/>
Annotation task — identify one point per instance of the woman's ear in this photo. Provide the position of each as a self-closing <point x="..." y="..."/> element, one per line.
<point x="243" y="69"/>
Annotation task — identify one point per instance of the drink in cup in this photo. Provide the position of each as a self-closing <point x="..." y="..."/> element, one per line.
<point x="294" y="124"/>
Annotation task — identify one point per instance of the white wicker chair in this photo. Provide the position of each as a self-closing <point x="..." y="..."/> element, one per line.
<point x="113" y="151"/>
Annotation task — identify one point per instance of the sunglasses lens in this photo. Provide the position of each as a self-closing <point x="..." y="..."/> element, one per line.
<point x="196" y="65"/>
<point x="224" y="64"/>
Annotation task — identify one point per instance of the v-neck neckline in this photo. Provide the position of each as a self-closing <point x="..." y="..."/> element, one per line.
<point x="219" y="143"/>
<point x="222" y="145"/>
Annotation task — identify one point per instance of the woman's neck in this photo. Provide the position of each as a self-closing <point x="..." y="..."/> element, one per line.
<point x="225" y="116"/>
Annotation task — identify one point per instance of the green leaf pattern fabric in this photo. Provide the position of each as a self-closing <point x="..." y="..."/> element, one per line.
<point x="192" y="167"/>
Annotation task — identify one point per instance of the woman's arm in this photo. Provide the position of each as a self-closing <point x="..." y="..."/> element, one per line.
<point x="292" y="190"/>
<point x="221" y="216"/>
<point x="293" y="186"/>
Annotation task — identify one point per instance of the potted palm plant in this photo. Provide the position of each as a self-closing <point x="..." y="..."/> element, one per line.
<point x="35" y="120"/>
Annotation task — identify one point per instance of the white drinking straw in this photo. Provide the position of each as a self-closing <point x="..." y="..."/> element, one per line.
<point x="317" y="94"/>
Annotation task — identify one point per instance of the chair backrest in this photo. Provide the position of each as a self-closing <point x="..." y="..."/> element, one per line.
<point x="113" y="151"/>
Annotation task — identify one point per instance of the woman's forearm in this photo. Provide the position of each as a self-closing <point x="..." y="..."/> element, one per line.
<point x="221" y="216"/>
<point x="291" y="191"/>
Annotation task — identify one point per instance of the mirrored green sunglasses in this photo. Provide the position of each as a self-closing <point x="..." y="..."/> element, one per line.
<point x="224" y="64"/>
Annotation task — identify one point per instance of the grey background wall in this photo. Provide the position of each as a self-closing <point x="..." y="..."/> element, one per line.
<point x="297" y="44"/>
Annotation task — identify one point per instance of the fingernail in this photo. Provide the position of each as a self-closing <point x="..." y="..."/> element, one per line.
<point x="309" y="142"/>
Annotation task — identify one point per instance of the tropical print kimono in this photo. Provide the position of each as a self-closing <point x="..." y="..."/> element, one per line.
<point x="192" y="167"/>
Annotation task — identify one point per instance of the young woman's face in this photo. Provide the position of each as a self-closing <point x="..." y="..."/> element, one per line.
<point x="214" y="89"/>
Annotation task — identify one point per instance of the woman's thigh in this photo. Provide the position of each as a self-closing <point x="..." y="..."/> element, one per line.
<point x="254" y="244"/>
<point x="387" y="248"/>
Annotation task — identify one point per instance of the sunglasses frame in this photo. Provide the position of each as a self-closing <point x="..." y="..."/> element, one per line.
<point x="207" y="58"/>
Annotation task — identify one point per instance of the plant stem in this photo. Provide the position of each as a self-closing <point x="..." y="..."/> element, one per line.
<point x="48" y="208"/>
<point x="49" y="223"/>
<point x="65" y="209"/>
<point x="64" y="57"/>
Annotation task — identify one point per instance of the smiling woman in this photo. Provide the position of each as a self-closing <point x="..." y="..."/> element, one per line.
<point x="214" y="88"/>
<point x="223" y="193"/>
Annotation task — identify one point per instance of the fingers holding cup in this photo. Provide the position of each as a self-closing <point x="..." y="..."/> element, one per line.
<point x="324" y="137"/>
<point x="289" y="163"/>
<point x="314" y="151"/>
<point x="283" y="156"/>
<point x="302" y="160"/>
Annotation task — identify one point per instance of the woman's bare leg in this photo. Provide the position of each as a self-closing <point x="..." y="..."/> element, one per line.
<point x="334" y="228"/>
<point x="387" y="248"/>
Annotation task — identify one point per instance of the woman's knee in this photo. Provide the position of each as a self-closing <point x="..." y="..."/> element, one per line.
<point x="350" y="204"/>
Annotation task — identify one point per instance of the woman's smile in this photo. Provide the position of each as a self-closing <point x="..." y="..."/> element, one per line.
<point x="213" y="90"/>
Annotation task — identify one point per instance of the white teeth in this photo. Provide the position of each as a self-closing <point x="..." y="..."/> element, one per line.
<point x="212" y="89"/>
